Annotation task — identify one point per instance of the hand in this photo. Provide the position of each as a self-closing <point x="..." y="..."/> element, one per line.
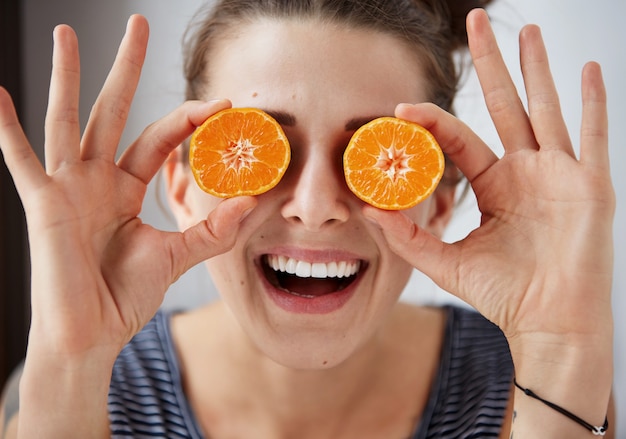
<point x="99" y="273"/>
<point x="540" y="264"/>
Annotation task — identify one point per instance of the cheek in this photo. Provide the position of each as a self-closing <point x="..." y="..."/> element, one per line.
<point x="230" y="281"/>
<point x="228" y="270"/>
<point x="392" y="272"/>
<point x="233" y="277"/>
<point x="200" y="203"/>
<point x="421" y="213"/>
<point x="397" y="273"/>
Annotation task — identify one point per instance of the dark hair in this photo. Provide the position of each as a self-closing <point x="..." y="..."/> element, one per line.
<point x="434" y="29"/>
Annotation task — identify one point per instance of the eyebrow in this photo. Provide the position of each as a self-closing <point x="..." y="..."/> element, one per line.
<point x="289" y="120"/>
<point x="358" y="122"/>
<point x="283" y="118"/>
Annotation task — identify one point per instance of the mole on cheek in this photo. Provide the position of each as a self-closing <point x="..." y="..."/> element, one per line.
<point x="255" y="94"/>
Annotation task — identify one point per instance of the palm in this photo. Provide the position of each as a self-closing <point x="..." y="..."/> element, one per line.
<point x="544" y="245"/>
<point x="536" y="232"/>
<point x="99" y="233"/>
<point x="99" y="273"/>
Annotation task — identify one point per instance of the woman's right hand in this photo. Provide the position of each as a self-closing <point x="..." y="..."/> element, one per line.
<point x="98" y="273"/>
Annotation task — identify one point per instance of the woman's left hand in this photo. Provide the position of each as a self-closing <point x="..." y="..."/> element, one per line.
<point x="540" y="264"/>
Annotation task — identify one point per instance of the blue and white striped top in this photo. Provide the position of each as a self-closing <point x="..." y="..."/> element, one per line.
<point x="468" y="398"/>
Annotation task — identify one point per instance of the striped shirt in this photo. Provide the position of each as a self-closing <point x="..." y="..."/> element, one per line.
<point x="468" y="398"/>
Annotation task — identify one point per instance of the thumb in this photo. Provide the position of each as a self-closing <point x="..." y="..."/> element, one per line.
<point x="214" y="236"/>
<point x="422" y="250"/>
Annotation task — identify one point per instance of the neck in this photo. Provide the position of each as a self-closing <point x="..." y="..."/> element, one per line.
<point x="287" y="402"/>
<point x="292" y="393"/>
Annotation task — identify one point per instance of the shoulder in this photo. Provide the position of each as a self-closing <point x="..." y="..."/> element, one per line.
<point x="475" y="348"/>
<point x="145" y="395"/>
<point x="470" y="330"/>
<point x="472" y="390"/>
<point x="148" y="344"/>
<point x="146" y="357"/>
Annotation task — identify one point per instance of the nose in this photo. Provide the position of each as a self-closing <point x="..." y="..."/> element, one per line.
<point x="317" y="193"/>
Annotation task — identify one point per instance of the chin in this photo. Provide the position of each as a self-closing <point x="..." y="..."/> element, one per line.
<point x="308" y="352"/>
<point x="311" y="311"/>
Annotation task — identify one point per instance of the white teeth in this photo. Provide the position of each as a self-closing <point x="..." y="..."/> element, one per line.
<point x="303" y="269"/>
<point x="317" y="270"/>
<point x="291" y="265"/>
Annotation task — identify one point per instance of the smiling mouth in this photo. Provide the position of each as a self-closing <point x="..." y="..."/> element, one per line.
<point x="310" y="280"/>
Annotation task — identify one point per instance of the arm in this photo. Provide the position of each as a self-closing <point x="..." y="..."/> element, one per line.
<point x="540" y="265"/>
<point x="99" y="272"/>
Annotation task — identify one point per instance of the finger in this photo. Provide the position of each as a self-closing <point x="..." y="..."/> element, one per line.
<point x="19" y="157"/>
<point x="212" y="237"/>
<point x="62" y="126"/>
<point x="146" y="155"/>
<point x="110" y="111"/>
<point x="468" y="152"/>
<point x="544" y="107"/>
<point x="431" y="256"/>
<point x="594" y="142"/>
<point x="501" y="97"/>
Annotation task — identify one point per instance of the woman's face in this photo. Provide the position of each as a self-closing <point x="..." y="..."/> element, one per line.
<point x="321" y="82"/>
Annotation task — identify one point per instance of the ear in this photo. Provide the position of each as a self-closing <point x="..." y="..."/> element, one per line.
<point x="441" y="209"/>
<point x="178" y="179"/>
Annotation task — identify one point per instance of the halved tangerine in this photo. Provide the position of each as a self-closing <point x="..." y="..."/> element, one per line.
<point x="239" y="151"/>
<point x="393" y="164"/>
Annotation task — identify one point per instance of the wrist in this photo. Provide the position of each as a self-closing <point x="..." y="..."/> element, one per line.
<point x="595" y="429"/>
<point x="560" y="359"/>
<point x="64" y="396"/>
<point x="574" y="373"/>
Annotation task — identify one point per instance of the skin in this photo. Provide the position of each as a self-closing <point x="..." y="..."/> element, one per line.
<point x="310" y="215"/>
<point x="544" y="243"/>
<point x="312" y="211"/>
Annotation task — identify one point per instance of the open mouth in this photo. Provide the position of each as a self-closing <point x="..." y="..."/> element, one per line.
<point x="307" y="279"/>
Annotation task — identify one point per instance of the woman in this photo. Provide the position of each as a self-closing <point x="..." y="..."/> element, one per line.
<point x="290" y="356"/>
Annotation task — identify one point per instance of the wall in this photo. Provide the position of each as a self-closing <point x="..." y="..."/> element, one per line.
<point x="575" y="32"/>
<point x="14" y="307"/>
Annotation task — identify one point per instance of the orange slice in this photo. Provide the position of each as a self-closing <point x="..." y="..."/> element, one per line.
<point x="238" y="151"/>
<point x="393" y="164"/>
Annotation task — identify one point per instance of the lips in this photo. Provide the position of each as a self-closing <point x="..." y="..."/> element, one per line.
<point x="312" y="287"/>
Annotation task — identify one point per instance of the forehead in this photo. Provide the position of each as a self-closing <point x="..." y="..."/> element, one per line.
<point x="313" y="61"/>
